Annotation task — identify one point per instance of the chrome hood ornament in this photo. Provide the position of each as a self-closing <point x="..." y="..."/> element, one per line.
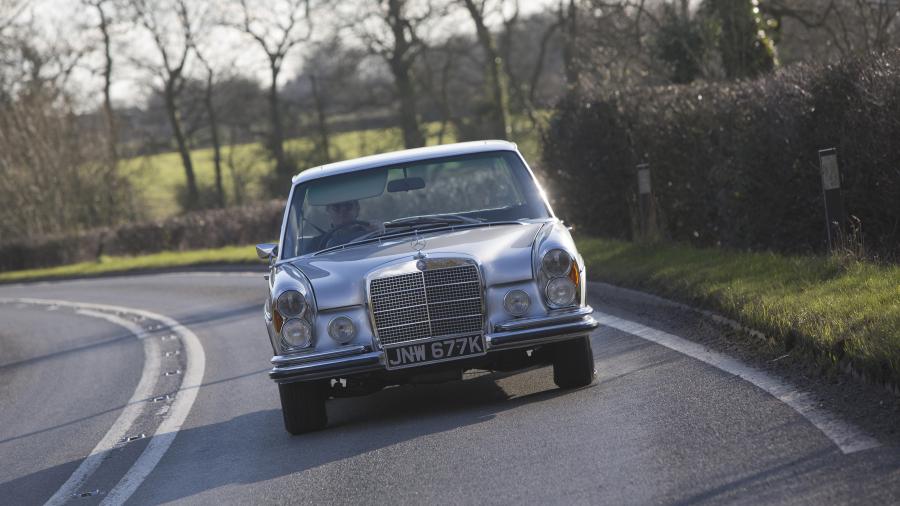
<point x="418" y="243"/>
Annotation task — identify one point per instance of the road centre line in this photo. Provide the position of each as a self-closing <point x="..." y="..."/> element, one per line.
<point x="846" y="436"/>
<point x="185" y="396"/>
<point x="130" y="413"/>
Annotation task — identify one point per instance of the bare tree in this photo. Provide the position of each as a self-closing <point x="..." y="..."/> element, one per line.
<point x="400" y="45"/>
<point x="277" y="29"/>
<point x="497" y="79"/>
<point x="212" y="119"/>
<point x="101" y="8"/>
<point x="173" y="40"/>
<point x="568" y="20"/>
<point x="852" y="26"/>
<point x="10" y="10"/>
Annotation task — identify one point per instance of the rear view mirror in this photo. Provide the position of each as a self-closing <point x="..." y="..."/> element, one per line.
<point x="406" y="184"/>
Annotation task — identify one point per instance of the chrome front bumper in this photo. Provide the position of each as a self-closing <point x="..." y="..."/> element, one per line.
<point x="519" y="333"/>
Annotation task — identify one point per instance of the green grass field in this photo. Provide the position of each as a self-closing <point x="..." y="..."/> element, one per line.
<point x="835" y="309"/>
<point x="157" y="178"/>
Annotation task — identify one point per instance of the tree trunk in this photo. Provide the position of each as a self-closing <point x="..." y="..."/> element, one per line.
<point x="321" y="120"/>
<point x="400" y="63"/>
<point x="745" y="48"/>
<point x="406" y="94"/>
<point x="214" y="136"/>
<point x="496" y="76"/>
<point x="108" y="112"/>
<point x="276" y="136"/>
<point x="570" y="45"/>
<point x="172" y="112"/>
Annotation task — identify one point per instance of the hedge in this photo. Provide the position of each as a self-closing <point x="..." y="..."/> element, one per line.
<point x="736" y="164"/>
<point x="201" y="229"/>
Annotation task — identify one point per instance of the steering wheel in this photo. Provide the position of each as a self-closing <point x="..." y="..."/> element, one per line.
<point x="358" y="226"/>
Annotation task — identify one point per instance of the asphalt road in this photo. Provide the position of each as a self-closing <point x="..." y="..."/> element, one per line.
<point x="658" y="427"/>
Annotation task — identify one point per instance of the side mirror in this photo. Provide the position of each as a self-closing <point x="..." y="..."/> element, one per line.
<point x="267" y="251"/>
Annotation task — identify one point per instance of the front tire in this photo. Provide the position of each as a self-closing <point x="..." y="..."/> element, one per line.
<point x="303" y="406"/>
<point x="573" y="363"/>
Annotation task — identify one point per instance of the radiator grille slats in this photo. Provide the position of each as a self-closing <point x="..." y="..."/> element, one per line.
<point x="433" y="303"/>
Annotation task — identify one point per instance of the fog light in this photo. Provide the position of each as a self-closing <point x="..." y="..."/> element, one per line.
<point x="296" y="333"/>
<point x="342" y="330"/>
<point x="516" y="302"/>
<point x="561" y="291"/>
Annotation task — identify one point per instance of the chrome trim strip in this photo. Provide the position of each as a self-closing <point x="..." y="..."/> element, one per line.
<point x="552" y="318"/>
<point x="286" y="360"/>
<point x="336" y="367"/>
<point x="541" y="335"/>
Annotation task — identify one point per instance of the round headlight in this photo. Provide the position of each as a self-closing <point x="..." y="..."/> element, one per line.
<point x="291" y="304"/>
<point x="296" y="333"/>
<point x="516" y="302"/>
<point x="561" y="291"/>
<point x="557" y="262"/>
<point x="342" y="330"/>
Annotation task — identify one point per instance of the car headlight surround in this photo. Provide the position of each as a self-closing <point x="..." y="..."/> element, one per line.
<point x="296" y="333"/>
<point x="342" y="329"/>
<point x="291" y="304"/>
<point x="516" y="302"/>
<point x="561" y="291"/>
<point x="556" y="262"/>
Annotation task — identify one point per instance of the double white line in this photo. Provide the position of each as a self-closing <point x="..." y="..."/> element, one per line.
<point x="167" y="430"/>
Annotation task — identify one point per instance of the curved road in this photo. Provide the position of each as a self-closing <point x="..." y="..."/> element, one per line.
<point x="658" y="426"/>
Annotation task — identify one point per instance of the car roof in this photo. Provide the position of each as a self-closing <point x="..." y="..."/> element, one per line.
<point x="407" y="155"/>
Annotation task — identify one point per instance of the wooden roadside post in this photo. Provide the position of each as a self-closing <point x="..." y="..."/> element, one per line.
<point x="646" y="208"/>
<point x="835" y="216"/>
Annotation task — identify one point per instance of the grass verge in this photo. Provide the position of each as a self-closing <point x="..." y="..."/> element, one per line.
<point x="110" y="265"/>
<point x="838" y="312"/>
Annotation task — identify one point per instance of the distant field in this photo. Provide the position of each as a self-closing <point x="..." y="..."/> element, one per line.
<point x="157" y="178"/>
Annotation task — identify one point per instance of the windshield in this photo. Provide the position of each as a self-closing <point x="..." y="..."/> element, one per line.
<point x="461" y="190"/>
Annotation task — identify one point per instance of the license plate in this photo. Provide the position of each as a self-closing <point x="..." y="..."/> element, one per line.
<point x="451" y="348"/>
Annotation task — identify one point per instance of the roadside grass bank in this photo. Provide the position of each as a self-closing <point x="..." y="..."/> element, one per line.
<point x="836" y="313"/>
<point x="121" y="264"/>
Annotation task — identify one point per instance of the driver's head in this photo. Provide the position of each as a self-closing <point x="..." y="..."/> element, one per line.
<point x="342" y="213"/>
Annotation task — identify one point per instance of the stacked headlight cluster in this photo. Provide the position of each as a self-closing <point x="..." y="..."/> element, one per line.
<point x="562" y="278"/>
<point x="295" y="329"/>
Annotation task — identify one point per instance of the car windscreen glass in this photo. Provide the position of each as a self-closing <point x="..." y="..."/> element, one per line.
<point x="335" y="210"/>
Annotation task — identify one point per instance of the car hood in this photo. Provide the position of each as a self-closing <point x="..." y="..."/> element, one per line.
<point x="504" y="252"/>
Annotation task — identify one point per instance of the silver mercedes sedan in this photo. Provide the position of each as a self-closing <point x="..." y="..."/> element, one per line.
<point x="416" y="266"/>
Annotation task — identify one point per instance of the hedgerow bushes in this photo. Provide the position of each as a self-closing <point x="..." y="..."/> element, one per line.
<point x="736" y="164"/>
<point x="201" y="229"/>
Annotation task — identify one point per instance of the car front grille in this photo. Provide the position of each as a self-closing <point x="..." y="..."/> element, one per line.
<point x="432" y="303"/>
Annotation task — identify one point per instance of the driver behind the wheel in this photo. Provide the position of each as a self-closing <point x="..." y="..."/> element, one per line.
<point x="345" y="225"/>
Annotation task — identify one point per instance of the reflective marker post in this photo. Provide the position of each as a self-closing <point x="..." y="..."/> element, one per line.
<point x="835" y="218"/>
<point x="645" y="202"/>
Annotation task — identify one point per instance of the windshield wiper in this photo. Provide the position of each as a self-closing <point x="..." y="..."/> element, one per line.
<point x="388" y="233"/>
<point x="430" y="219"/>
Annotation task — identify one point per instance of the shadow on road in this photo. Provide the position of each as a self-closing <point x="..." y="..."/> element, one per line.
<point x="254" y="447"/>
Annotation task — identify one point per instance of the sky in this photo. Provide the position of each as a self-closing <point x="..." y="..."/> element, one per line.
<point x="69" y="22"/>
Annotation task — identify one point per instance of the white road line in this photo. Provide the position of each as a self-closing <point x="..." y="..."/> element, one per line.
<point x="129" y="414"/>
<point x="847" y="437"/>
<point x="168" y="429"/>
<point x="181" y="406"/>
